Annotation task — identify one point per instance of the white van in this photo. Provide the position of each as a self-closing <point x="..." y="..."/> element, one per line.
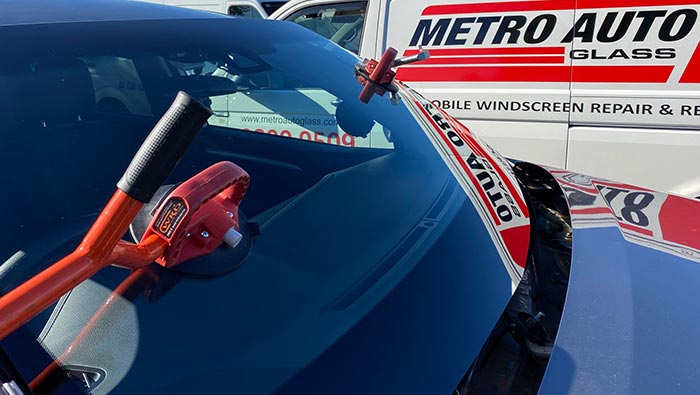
<point x="610" y="88"/>
<point x="258" y="9"/>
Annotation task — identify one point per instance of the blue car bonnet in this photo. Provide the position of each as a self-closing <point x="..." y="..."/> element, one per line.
<point x="631" y="310"/>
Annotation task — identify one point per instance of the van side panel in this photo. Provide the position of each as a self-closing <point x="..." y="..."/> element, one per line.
<point x="493" y="62"/>
<point x="665" y="158"/>
<point x="640" y="122"/>
<point x="637" y="64"/>
<point x="610" y="88"/>
<point x="596" y="84"/>
<point x="543" y="140"/>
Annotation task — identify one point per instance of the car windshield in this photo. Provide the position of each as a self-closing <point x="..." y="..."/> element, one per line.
<point x="348" y="205"/>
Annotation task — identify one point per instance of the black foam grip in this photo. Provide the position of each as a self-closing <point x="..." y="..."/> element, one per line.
<point x="163" y="148"/>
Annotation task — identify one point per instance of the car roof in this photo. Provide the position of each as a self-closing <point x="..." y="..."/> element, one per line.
<point x="27" y="12"/>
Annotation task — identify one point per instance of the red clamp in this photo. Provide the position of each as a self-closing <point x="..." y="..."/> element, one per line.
<point x="200" y="214"/>
<point x="377" y="76"/>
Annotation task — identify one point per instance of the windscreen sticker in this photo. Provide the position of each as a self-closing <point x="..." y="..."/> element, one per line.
<point x="480" y="171"/>
<point x="653" y="219"/>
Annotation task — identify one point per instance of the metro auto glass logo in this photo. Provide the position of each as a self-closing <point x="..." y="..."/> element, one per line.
<point x="494" y="41"/>
<point x="170" y="217"/>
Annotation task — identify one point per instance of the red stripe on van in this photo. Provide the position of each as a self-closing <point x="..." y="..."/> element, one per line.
<point x="546" y="5"/>
<point x="496" y="60"/>
<point x="491" y="51"/>
<point x="611" y="74"/>
<point x="637" y="74"/>
<point x="485" y="73"/>
<point x="692" y="70"/>
<point x="584" y="4"/>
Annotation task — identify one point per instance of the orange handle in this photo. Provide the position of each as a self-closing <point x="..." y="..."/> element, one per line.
<point x="29" y="299"/>
<point x="161" y="151"/>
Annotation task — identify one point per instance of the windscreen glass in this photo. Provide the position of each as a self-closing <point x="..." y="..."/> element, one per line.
<point x="345" y="200"/>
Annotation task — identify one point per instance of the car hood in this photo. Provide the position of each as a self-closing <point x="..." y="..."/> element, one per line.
<point x="630" y="313"/>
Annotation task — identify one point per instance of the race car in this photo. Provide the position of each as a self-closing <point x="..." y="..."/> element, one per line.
<point x="368" y="243"/>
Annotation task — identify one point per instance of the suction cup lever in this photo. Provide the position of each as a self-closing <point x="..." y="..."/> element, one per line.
<point x="422" y="55"/>
<point x="201" y="213"/>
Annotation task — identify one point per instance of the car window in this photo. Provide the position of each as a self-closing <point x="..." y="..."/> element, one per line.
<point x="312" y="117"/>
<point x="264" y="104"/>
<point x="252" y="97"/>
<point x="340" y="23"/>
<point x="117" y="85"/>
<point x="272" y="6"/>
<point x="245" y="11"/>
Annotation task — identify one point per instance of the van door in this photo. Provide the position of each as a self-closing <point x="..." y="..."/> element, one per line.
<point x="498" y="66"/>
<point x="636" y="92"/>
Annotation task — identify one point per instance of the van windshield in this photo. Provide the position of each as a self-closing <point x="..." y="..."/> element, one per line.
<point x="345" y="201"/>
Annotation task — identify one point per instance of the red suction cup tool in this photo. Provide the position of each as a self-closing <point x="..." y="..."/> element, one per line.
<point x="200" y="214"/>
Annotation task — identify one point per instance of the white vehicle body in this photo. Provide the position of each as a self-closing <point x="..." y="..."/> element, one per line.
<point x="604" y="88"/>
